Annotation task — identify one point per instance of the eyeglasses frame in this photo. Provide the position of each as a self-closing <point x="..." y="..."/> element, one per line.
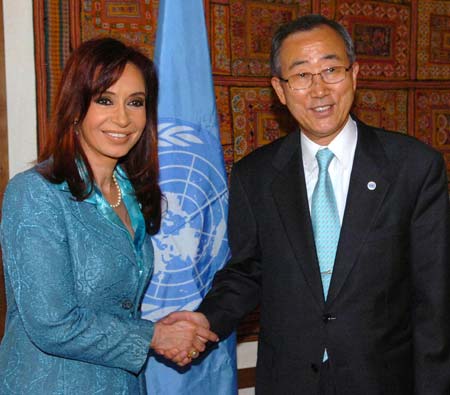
<point x="312" y="77"/>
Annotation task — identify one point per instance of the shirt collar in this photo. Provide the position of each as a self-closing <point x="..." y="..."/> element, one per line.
<point x="96" y="198"/>
<point x="342" y="146"/>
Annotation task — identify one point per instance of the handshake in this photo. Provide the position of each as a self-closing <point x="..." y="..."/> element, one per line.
<point x="181" y="336"/>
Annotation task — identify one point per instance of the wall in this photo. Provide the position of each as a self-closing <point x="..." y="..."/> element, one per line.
<point x="20" y="84"/>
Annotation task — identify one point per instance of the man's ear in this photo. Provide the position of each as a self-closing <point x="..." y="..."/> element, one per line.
<point x="279" y="90"/>
<point x="355" y="70"/>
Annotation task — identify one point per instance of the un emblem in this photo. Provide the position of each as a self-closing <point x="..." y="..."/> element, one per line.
<point x="192" y="243"/>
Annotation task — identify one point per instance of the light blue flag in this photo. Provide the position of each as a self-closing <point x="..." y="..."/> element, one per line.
<point x="192" y="243"/>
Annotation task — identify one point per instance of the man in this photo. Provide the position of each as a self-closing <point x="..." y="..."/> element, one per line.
<point x="373" y="318"/>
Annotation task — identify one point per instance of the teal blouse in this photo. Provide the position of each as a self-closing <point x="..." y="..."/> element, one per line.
<point x="132" y="205"/>
<point x="75" y="279"/>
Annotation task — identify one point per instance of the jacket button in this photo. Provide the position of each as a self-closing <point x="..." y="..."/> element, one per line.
<point x="314" y="368"/>
<point x="327" y="317"/>
<point x="127" y="304"/>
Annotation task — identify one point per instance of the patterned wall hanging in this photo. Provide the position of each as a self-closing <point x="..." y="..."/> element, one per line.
<point x="404" y="78"/>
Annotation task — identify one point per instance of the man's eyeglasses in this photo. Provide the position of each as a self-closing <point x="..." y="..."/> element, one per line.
<point x="330" y="75"/>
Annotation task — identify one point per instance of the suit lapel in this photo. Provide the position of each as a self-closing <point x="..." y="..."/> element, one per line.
<point x="289" y="191"/>
<point x="363" y="202"/>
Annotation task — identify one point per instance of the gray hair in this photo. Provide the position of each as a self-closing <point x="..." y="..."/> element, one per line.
<point x="303" y="24"/>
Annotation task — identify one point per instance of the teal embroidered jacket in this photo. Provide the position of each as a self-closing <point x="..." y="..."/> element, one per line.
<point x="74" y="283"/>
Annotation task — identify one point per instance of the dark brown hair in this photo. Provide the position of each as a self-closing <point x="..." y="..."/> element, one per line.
<point x="302" y="24"/>
<point x="91" y="69"/>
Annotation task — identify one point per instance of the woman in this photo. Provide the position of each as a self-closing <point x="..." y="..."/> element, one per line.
<point x="76" y="237"/>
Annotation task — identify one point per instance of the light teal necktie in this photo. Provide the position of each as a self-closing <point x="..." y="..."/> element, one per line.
<point x="325" y="219"/>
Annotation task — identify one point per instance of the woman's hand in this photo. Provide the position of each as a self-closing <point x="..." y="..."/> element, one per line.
<point x="181" y="340"/>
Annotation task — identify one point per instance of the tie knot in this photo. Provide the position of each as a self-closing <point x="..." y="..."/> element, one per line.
<point x="324" y="157"/>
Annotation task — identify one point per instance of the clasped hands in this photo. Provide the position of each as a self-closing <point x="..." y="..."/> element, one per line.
<point x="181" y="336"/>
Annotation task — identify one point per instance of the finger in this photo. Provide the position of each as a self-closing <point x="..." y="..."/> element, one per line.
<point x="201" y="320"/>
<point x="181" y="358"/>
<point x="193" y="353"/>
<point x="197" y="344"/>
<point x="172" y="353"/>
<point x="177" y="359"/>
<point x="184" y="362"/>
<point x="205" y="334"/>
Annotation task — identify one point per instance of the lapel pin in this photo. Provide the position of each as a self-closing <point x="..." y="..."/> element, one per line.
<point x="371" y="185"/>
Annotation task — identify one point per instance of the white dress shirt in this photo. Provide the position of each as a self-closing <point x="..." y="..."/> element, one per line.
<point x="343" y="147"/>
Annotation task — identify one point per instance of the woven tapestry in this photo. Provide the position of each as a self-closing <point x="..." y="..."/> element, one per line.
<point x="404" y="78"/>
<point x="433" y="41"/>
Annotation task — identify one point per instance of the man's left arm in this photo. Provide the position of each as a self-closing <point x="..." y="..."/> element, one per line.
<point x="430" y="270"/>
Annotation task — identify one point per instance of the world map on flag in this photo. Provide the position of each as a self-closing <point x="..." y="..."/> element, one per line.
<point x="192" y="243"/>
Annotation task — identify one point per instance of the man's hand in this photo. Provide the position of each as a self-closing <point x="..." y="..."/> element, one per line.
<point x="181" y="336"/>
<point x="192" y="316"/>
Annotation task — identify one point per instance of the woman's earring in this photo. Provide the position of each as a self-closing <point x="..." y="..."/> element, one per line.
<point x="75" y="123"/>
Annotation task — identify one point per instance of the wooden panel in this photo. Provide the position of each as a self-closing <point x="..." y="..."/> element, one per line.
<point x="4" y="171"/>
<point x="40" y="69"/>
<point x="249" y="329"/>
<point x="246" y="377"/>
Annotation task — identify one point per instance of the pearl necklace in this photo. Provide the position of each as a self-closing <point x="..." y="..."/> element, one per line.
<point x="119" y="193"/>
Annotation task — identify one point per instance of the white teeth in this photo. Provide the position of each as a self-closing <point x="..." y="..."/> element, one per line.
<point x="321" y="109"/>
<point x="117" y="135"/>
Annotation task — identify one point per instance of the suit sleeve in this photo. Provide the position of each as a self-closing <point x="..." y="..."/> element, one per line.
<point x="236" y="288"/>
<point x="38" y="265"/>
<point x="429" y="253"/>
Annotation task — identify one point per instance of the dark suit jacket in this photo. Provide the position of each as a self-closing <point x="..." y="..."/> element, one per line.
<point x="385" y="322"/>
